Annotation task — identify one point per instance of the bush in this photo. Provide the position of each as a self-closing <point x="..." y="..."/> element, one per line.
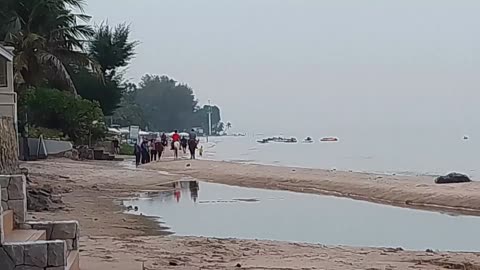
<point x="126" y="149"/>
<point x="48" y="133"/>
<point x="77" y="118"/>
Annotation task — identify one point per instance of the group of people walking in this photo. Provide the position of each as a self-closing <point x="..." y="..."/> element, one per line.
<point x="152" y="150"/>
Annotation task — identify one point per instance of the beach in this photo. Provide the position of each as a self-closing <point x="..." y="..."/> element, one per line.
<point x="114" y="240"/>
<point x="405" y="191"/>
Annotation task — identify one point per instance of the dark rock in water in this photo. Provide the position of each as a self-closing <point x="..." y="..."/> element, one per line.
<point x="238" y="265"/>
<point x="452" y="178"/>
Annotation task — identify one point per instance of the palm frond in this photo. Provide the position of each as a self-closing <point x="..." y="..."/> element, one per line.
<point x="57" y="66"/>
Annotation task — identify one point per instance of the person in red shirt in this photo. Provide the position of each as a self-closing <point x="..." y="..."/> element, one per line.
<point x="175" y="137"/>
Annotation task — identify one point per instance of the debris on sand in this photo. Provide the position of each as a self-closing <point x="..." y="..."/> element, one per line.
<point x="43" y="198"/>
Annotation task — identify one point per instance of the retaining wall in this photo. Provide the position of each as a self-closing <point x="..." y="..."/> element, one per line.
<point x="13" y="196"/>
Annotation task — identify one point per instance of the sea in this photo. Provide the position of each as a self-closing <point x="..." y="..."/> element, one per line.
<point x="402" y="153"/>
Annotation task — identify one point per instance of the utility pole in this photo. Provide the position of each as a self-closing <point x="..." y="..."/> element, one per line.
<point x="209" y="119"/>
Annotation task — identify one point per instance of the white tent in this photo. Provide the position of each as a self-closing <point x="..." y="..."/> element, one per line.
<point x="114" y="131"/>
<point x="143" y="133"/>
<point x="124" y="130"/>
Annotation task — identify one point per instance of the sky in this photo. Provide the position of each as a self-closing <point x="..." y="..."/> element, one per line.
<point x="326" y="66"/>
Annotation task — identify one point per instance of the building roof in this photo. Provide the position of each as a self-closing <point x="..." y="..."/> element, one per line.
<point x="6" y="52"/>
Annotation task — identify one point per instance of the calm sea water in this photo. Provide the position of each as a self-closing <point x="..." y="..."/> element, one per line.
<point x="412" y="152"/>
<point x="213" y="210"/>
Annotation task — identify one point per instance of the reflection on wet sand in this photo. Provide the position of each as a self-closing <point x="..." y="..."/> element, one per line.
<point x="183" y="186"/>
<point x="229" y="211"/>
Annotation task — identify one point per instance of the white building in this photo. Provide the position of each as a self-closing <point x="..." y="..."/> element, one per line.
<point x="8" y="97"/>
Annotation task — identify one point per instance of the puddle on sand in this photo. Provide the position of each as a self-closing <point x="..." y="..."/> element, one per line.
<point x="194" y="208"/>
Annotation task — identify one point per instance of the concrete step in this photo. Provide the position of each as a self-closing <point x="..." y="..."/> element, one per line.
<point x="25" y="236"/>
<point x="7" y="217"/>
<point x="73" y="260"/>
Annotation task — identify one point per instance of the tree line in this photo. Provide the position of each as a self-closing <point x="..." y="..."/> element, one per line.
<point x="69" y="75"/>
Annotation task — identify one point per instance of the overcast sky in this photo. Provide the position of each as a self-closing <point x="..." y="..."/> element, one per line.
<point x="279" y="65"/>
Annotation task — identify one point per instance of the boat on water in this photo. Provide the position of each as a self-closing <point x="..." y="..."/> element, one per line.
<point x="329" y="139"/>
<point x="291" y="140"/>
<point x="308" y="140"/>
<point x="278" y="139"/>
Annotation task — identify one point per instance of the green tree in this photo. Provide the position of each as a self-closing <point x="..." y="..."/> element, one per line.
<point x="129" y="112"/>
<point x="107" y="92"/>
<point x="218" y="128"/>
<point x="111" y="49"/>
<point x="200" y="119"/>
<point x="47" y="37"/>
<point x="166" y="104"/>
<point x="76" y="117"/>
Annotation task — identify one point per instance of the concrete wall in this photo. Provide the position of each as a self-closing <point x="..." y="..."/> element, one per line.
<point x="8" y="98"/>
<point x="53" y="146"/>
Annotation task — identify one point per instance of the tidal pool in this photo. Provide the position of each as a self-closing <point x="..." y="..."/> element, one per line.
<point x="194" y="208"/>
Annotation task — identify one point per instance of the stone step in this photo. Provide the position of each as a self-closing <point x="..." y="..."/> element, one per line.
<point x="25" y="236"/>
<point x="7" y="217"/>
<point x="73" y="260"/>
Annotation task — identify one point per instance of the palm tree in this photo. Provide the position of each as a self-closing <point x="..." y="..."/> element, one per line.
<point x="228" y="125"/>
<point x="111" y="48"/>
<point x="46" y="37"/>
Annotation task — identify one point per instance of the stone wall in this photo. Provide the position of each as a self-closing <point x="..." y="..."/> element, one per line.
<point x="61" y="236"/>
<point x="8" y="146"/>
<point x="68" y="231"/>
<point x="38" y="255"/>
<point x="2" y="234"/>
<point x="13" y="190"/>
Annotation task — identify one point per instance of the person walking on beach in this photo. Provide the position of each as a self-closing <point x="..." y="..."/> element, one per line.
<point x="159" y="148"/>
<point x="145" y="153"/>
<point x="153" y="150"/>
<point x="137" y="151"/>
<point x="116" y="146"/>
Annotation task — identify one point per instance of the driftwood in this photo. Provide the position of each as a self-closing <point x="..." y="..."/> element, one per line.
<point x="8" y="146"/>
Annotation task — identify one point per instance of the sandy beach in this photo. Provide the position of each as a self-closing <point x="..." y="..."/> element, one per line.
<point x="114" y="240"/>
<point x="405" y="191"/>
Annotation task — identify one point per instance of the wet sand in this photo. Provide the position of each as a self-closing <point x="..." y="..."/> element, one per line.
<point x="405" y="191"/>
<point x="113" y="240"/>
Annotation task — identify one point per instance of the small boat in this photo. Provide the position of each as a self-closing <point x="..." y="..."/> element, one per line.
<point x="308" y="140"/>
<point x="329" y="139"/>
<point x="291" y="140"/>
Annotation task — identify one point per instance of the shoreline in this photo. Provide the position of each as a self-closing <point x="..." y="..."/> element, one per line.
<point x="416" y="192"/>
<point x="112" y="239"/>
